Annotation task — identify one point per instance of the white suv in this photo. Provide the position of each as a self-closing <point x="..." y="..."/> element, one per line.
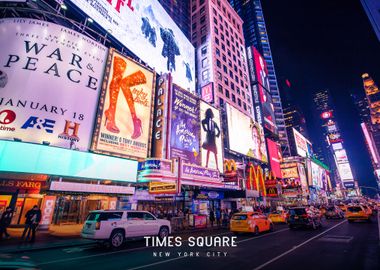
<point x="117" y="225"/>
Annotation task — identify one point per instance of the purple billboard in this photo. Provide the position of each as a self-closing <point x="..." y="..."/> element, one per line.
<point x="184" y="126"/>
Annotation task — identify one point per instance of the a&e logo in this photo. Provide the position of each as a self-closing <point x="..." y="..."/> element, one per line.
<point x="39" y="123"/>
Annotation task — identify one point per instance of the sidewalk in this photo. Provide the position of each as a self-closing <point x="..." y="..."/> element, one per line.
<point x="60" y="237"/>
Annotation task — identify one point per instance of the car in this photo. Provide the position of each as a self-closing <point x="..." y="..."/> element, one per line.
<point x="334" y="212"/>
<point x="115" y="226"/>
<point x="252" y="222"/>
<point x="278" y="216"/>
<point x="303" y="217"/>
<point x="357" y="212"/>
<point x="367" y="209"/>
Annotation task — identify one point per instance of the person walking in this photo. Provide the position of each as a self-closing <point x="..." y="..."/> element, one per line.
<point x="33" y="218"/>
<point x="5" y="221"/>
<point x="218" y="216"/>
<point x="212" y="218"/>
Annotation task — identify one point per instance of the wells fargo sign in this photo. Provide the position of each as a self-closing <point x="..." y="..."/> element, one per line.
<point x="21" y="185"/>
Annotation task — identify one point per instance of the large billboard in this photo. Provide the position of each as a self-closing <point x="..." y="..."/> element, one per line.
<point x="341" y="156"/>
<point x="345" y="172"/>
<point x="125" y="109"/>
<point x="211" y="137"/>
<point x="184" y="126"/>
<point x="47" y="72"/>
<point x="262" y="78"/>
<point x="148" y="31"/>
<point x="274" y="150"/>
<point x="303" y="146"/>
<point x="245" y="136"/>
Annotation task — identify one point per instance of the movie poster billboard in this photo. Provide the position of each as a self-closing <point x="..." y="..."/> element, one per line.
<point x="211" y="137"/>
<point x="303" y="146"/>
<point x="275" y="155"/>
<point x="47" y="71"/>
<point x="184" y="126"/>
<point x="245" y="136"/>
<point x="125" y="109"/>
<point x="262" y="77"/>
<point x="146" y="29"/>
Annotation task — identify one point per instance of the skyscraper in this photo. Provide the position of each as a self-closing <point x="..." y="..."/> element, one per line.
<point x="179" y="11"/>
<point x="336" y="155"/>
<point x="294" y="118"/>
<point x="217" y="35"/>
<point x="372" y="8"/>
<point x="255" y="34"/>
<point x="369" y="111"/>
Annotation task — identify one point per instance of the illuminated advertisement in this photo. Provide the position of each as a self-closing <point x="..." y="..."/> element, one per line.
<point x="345" y="172"/>
<point x="337" y="146"/>
<point x="160" y="123"/>
<point x="211" y="137"/>
<point x="371" y="144"/>
<point x="185" y="127"/>
<point x="262" y="78"/>
<point x="147" y="30"/>
<point x="208" y="93"/>
<point x="245" y="136"/>
<point x="162" y="188"/>
<point x="291" y="172"/>
<point x="303" y="177"/>
<point x="125" y="109"/>
<point x="341" y="156"/>
<point x="326" y="115"/>
<point x="316" y="175"/>
<point x="44" y="81"/>
<point x="302" y="144"/>
<point x="274" y="151"/>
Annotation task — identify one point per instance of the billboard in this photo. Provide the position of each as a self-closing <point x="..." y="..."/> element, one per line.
<point x="184" y="126"/>
<point x="125" y="109"/>
<point x="337" y="146"/>
<point x="208" y="93"/>
<point x="341" y="156"/>
<point x="44" y="81"/>
<point x="302" y="144"/>
<point x="245" y="136"/>
<point x="211" y="137"/>
<point x="316" y="175"/>
<point x="147" y="30"/>
<point x="262" y="78"/>
<point x="290" y="172"/>
<point x="274" y="151"/>
<point x="345" y="172"/>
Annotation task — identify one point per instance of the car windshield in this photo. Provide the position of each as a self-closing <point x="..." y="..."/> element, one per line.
<point x="297" y="211"/>
<point x="239" y="217"/>
<point x="103" y="216"/>
<point x="354" y="209"/>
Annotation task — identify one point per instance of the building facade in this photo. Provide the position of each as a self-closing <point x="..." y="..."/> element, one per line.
<point x="179" y="11"/>
<point x="217" y="35"/>
<point x="372" y="8"/>
<point x="255" y="34"/>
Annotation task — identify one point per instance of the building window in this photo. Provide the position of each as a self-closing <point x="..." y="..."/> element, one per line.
<point x="218" y="63"/>
<point x="216" y="41"/>
<point x="205" y="62"/>
<point x="215" y="21"/>
<point x="194" y="26"/>
<point x="232" y="86"/>
<point x="203" y="39"/>
<point x="194" y="35"/>
<point x="204" y="50"/>
<point x="203" y="30"/>
<point x="238" y="90"/>
<point x="227" y="93"/>
<point x="231" y="75"/>
<point x="222" y="37"/>
<point x="239" y="102"/>
<point x="217" y="51"/>
<point x="206" y="75"/>
<point x="216" y="30"/>
<point x="202" y="11"/>
<point x="223" y="47"/>
<point x="233" y="98"/>
<point x="220" y="88"/>
<point x="225" y="69"/>
<point x="226" y="81"/>
<point x="229" y="63"/>
<point x="221" y="102"/>
<point x="214" y="11"/>
<point x="224" y="57"/>
<point x="244" y="106"/>
<point x="193" y="8"/>
<point x="219" y="75"/>
<point x="203" y="19"/>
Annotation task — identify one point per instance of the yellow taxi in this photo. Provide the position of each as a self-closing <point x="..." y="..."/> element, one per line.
<point x="357" y="212"/>
<point x="367" y="209"/>
<point x="250" y="222"/>
<point x="342" y="207"/>
<point x="278" y="216"/>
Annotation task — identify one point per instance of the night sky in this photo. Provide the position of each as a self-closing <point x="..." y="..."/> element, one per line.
<point x="326" y="44"/>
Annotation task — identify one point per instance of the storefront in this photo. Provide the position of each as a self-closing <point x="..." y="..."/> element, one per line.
<point x="30" y="175"/>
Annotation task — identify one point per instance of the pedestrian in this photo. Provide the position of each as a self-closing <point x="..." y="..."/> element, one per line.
<point x="33" y="218"/>
<point x="5" y="221"/>
<point x="225" y="218"/>
<point x="218" y="216"/>
<point x="212" y="218"/>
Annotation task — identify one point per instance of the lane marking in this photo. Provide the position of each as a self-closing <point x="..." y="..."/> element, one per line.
<point x="109" y="253"/>
<point x="296" y="247"/>
<point x="179" y="258"/>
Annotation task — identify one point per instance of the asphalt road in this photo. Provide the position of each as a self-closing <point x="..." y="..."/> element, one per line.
<point x="338" y="245"/>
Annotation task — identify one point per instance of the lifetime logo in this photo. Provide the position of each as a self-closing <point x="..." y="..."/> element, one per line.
<point x="7" y="117"/>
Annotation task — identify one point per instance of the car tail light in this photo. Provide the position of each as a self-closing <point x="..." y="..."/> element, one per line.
<point x="97" y="225"/>
<point x="305" y="216"/>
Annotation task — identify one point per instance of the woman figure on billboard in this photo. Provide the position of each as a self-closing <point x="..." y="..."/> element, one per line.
<point x="124" y="83"/>
<point x="212" y="132"/>
<point x="258" y="143"/>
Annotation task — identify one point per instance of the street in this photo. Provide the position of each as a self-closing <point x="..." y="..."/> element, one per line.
<point x="338" y="245"/>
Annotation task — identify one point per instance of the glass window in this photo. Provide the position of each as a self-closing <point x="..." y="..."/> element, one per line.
<point x="205" y="62"/>
<point x="239" y="102"/>
<point x="206" y="75"/>
<point x="219" y="75"/>
<point x="135" y="216"/>
<point x="218" y="63"/>
<point x="217" y="51"/>
<point x="220" y="88"/>
<point x="193" y="26"/>
<point x="217" y="41"/>
<point x="148" y="216"/>
<point x="203" y="19"/>
<point x="203" y="39"/>
<point x="216" y="30"/>
<point x="227" y="93"/>
<point x="204" y="50"/>
<point x="233" y="98"/>
<point x="202" y="11"/>
<point x="203" y="30"/>
<point x="221" y="102"/>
